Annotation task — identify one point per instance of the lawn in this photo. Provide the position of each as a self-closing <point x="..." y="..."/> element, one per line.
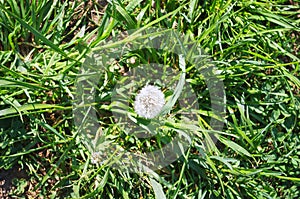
<point x="221" y="79"/>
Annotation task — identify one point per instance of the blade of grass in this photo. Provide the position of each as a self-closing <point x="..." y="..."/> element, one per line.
<point x="37" y="33"/>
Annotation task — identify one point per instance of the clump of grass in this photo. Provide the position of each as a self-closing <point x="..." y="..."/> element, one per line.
<point x="254" y="46"/>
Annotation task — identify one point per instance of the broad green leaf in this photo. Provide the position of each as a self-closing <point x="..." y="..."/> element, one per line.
<point x="237" y="148"/>
<point x="28" y="107"/>
<point x="158" y="190"/>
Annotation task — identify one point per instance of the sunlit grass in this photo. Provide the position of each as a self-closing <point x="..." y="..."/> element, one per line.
<point x="255" y="47"/>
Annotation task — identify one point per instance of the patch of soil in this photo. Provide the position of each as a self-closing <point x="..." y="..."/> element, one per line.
<point x="6" y="180"/>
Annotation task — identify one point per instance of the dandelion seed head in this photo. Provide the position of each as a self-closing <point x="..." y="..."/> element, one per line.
<point x="149" y="102"/>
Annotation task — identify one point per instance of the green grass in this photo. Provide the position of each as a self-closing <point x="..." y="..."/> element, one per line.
<point x="254" y="45"/>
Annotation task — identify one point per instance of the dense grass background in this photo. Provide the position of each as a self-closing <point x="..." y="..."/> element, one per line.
<point x="255" y="45"/>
